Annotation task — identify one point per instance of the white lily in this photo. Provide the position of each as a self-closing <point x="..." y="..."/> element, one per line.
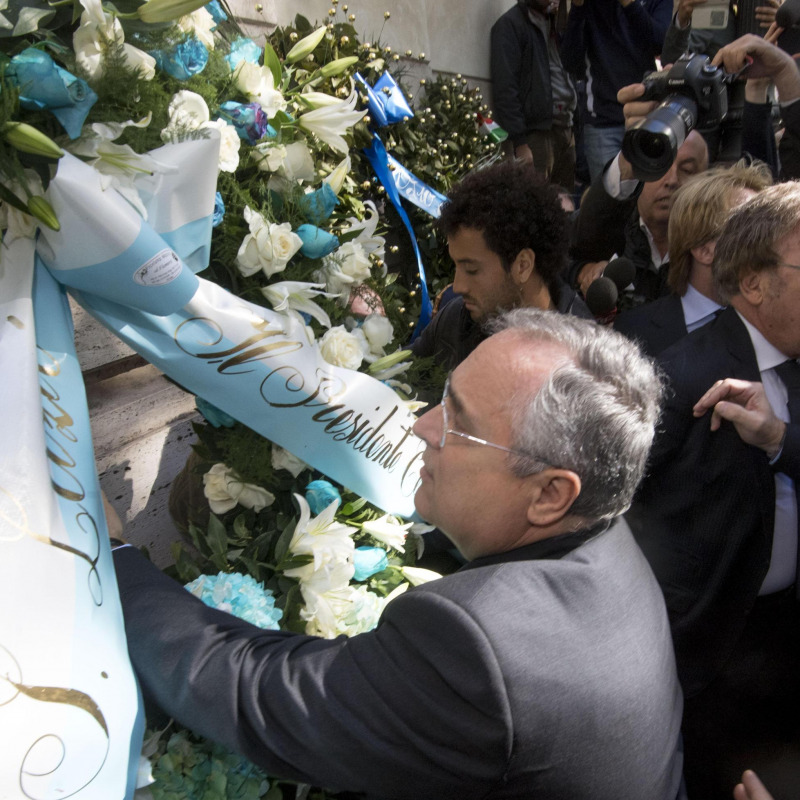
<point x="91" y="39"/>
<point x="318" y="99"/>
<point x="330" y="122"/>
<point x="4" y="21"/>
<point x="321" y="537"/>
<point x="337" y="178"/>
<point x="366" y="227"/>
<point x="297" y="295"/>
<point x="118" y="164"/>
<point x="258" y="83"/>
<point x="389" y="530"/>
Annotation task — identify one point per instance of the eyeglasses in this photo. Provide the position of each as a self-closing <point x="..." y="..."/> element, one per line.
<point x="447" y="429"/>
<point x="784" y="264"/>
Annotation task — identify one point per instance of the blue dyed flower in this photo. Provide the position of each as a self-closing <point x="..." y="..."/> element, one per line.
<point x="243" y="50"/>
<point x="184" y="60"/>
<point x="240" y="595"/>
<point x="316" y="242"/>
<point x="368" y="561"/>
<point x="320" y="494"/>
<point x="44" y="85"/>
<point x="219" y="215"/>
<point x="318" y="205"/>
<point x="249" y="119"/>
<point x="214" y="416"/>
<point x="216" y="11"/>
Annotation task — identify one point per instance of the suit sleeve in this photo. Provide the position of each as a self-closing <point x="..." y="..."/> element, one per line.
<point x="789" y="461"/>
<point x="415" y="708"/>
<point x="676" y="43"/>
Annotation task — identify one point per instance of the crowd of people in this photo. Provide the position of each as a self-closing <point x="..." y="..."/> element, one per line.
<point x="625" y="502"/>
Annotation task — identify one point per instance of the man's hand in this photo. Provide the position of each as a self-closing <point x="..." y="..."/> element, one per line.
<point x="744" y="404"/>
<point x="115" y="526"/>
<point x="751" y="788"/>
<point x="765" y="14"/>
<point x="634" y="110"/>
<point x="590" y="271"/>
<point x="685" y="9"/>
<point x="522" y="152"/>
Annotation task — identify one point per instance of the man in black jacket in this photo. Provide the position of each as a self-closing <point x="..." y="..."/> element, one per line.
<point x="507" y="235"/>
<point x="534" y="99"/>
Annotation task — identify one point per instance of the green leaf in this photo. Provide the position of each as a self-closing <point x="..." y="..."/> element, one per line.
<point x="217" y="536"/>
<point x="272" y="62"/>
<point x="282" y="545"/>
<point x="240" y="527"/>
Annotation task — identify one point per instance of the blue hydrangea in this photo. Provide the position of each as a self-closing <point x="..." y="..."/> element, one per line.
<point x="240" y="595"/>
<point x="320" y="494"/>
<point x="368" y="561"/>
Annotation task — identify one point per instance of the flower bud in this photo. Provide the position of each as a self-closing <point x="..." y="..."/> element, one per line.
<point x="337" y="67"/>
<point x="305" y="46"/>
<point x="28" y="139"/>
<point x="39" y="207"/>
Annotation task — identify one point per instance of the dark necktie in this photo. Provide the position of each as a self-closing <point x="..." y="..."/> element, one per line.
<point x="789" y="373"/>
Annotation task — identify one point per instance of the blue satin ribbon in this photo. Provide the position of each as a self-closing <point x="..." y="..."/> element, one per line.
<point x="379" y="159"/>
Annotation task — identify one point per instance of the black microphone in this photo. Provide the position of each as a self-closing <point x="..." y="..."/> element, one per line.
<point x="601" y="298"/>
<point x="621" y="270"/>
<point x="788" y="14"/>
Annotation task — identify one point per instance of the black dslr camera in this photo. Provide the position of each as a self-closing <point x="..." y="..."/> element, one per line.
<point x="694" y="94"/>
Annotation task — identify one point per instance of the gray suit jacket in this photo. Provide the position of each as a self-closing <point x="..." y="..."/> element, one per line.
<point x="523" y="675"/>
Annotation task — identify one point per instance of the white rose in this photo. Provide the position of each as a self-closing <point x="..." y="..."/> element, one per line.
<point x="251" y="496"/>
<point x="267" y="247"/>
<point x="379" y="332"/>
<point x="187" y="112"/>
<point x="285" y="243"/>
<point x="201" y="24"/>
<point x="345" y="267"/>
<point x="283" y="459"/>
<point x="269" y="157"/>
<point x="258" y="84"/>
<point x="228" y="146"/>
<point x="340" y="348"/>
<point x="215" y="488"/>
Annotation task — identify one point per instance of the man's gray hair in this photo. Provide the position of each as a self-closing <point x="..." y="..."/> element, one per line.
<point x="594" y="415"/>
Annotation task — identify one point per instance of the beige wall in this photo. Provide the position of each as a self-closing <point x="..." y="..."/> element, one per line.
<point x="453" y="35"/>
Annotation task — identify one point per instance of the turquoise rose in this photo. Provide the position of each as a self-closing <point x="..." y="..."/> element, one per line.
<point x="316" y="242"/>
<point x="243" y="50"/>
<point x="216" y="11"/>
<point x="184" y="60"/>
<point x="43" y="85"/>
<point x="368" y="561"/>
<point x="320" y="494"/>
<point x="318" y="205"/>
<point x="219" y="211"/>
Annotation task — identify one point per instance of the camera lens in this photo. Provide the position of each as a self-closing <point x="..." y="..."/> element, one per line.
<point x="652" y="145"/>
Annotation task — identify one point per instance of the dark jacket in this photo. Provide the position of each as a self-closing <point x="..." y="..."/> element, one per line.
<point x="655" y="326"/>
<point x="605" y="226"/>
<point x="452" y="334"/>
<point x="523" y="675"/>
<point x="621" y="45"/>
<point x="705" y="513"/>
<point x="521" y="90"/>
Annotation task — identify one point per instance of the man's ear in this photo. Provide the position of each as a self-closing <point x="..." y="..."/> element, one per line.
<point x="552" y="493"/>
<point x="753" y="285"/>
<point x="523" y="266"/>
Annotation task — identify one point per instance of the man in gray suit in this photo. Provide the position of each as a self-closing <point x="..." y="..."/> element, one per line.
<point x="543" y="668"/>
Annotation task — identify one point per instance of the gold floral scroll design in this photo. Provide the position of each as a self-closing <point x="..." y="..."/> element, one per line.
<point x="14" y="525"/>
<point x="51" y="768"/>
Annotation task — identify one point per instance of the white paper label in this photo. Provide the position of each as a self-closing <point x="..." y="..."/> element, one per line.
<point x="162" y="268"/>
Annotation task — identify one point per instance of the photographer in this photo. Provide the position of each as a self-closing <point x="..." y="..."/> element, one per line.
<point x="768" y="63"/>
<point x="625" y="217"/>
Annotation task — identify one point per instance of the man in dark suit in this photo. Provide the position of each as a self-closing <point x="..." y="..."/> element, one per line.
<point x="717" y="514"/>
<point x="541" y="669"/>
<point x="699" y="212"/>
